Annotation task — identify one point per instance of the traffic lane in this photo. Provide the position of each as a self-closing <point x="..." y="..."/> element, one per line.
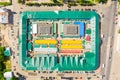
<point x="108" y="67"/>
<point x="110" y="57"/>
<point x="105" y="29"/>
<point x="111" y="43"/>
<point x="113" y="21"/>
<point x="103" y="58"/>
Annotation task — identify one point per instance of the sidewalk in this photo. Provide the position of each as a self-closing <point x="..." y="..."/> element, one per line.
<point x="115" y="67"/>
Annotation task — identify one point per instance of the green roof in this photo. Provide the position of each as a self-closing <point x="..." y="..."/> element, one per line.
<point x="7" y="52"/>
<point x="29" y="46"/>
<point x="45" y="62"/>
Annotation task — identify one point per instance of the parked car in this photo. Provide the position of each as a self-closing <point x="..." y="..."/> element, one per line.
<point x="102" y="35"/>
<point x="103" y="65"/>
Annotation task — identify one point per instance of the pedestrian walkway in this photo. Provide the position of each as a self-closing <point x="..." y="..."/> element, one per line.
<point x="115" y="67"/>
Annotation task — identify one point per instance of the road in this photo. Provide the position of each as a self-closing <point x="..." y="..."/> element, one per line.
<point x="111" y="36"/>
<point x="107" y="28"/>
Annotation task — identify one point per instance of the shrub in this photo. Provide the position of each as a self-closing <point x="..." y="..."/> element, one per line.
<point x="119" y="31"/>
<point x="119" y="12"/>
<point x="13" y="78"/>
<point x="103" y="1"/>
<point x="5" y="3"/>
<point x="37" y="4"/>
<point x="52" y="4"/>
<point x="72" y="4"/>
<point x="29" y="4"/>
<point x="33" y="4"/>
<point x="19" y="1"/>
<point x="44" y="4"/>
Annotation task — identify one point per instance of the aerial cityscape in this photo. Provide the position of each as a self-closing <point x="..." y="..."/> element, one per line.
<point x="59" y="39"/>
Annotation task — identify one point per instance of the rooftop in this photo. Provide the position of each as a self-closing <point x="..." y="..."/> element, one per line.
<point x="4" y="15"/>
<point x="44" y="29"/>
<point x="70" y="29"/>
<point x="89" y="60"/>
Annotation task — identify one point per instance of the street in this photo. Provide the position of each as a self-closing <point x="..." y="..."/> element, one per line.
<point x="107" y="28"/>
<point x="111" y="33"/>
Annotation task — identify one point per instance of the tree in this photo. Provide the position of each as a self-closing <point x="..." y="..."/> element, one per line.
<point x="19" y="1"/>
<point x="13" y="78"/>
<point x="55" y="1"/>
<point x="1" y="58"/>
<point x="119" y="1"/>
<point x="119" y="31"/>
<point x="103" y="1"/>
<point x="2" y="50"/>
<point x="1" y="67"/>
<point x="1" y="76"/>
<point x="119" y="12"/>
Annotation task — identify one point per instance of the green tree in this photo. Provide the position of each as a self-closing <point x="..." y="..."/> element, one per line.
<point x="30" y="4"/>
<point x="119" y="31"/>
<point x="55" y="1"/>
<point x="2" y="50"/>
<point x="19" y="1"/>
<point x="1" y="68"/>
<point x="1" y="58"/>
<point x="103" y="1"/>
<point x="119" y="12"/>
<point x="1" y="76"/>
<point x="13" y="78"/>
<point x="119" y="1"/>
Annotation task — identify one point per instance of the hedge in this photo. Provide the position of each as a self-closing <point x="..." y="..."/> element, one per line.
<point x="72" y="4"/>
<point x="19" y="1"/>
<point x="44" y="4"/>
<point x="5" y="3"/>
<point x="33" y="4"/>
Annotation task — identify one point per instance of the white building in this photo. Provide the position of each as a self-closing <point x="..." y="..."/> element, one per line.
<point x="8" y="75"/>
<point x="4" y="16"/>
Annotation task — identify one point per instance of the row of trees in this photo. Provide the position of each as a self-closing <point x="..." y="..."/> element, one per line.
<point x="70" y="3"/>
<point x="44" y="4"/>
<point x="5" y="3"/>
<point x="90" y="2"/>
<point x="2" y="65"/>
<point x="82" y="1"/>
<point x="119" y="1"/>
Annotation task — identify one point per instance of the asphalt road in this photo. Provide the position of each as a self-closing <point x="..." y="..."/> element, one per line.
<point x="107" y="28"/>
<point x="111" y="35"/>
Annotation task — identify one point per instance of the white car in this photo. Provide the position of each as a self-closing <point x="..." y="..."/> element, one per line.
<point x="102" y="35"/>
<point x="103" y="65"/>
<point x="101" y="77"/>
